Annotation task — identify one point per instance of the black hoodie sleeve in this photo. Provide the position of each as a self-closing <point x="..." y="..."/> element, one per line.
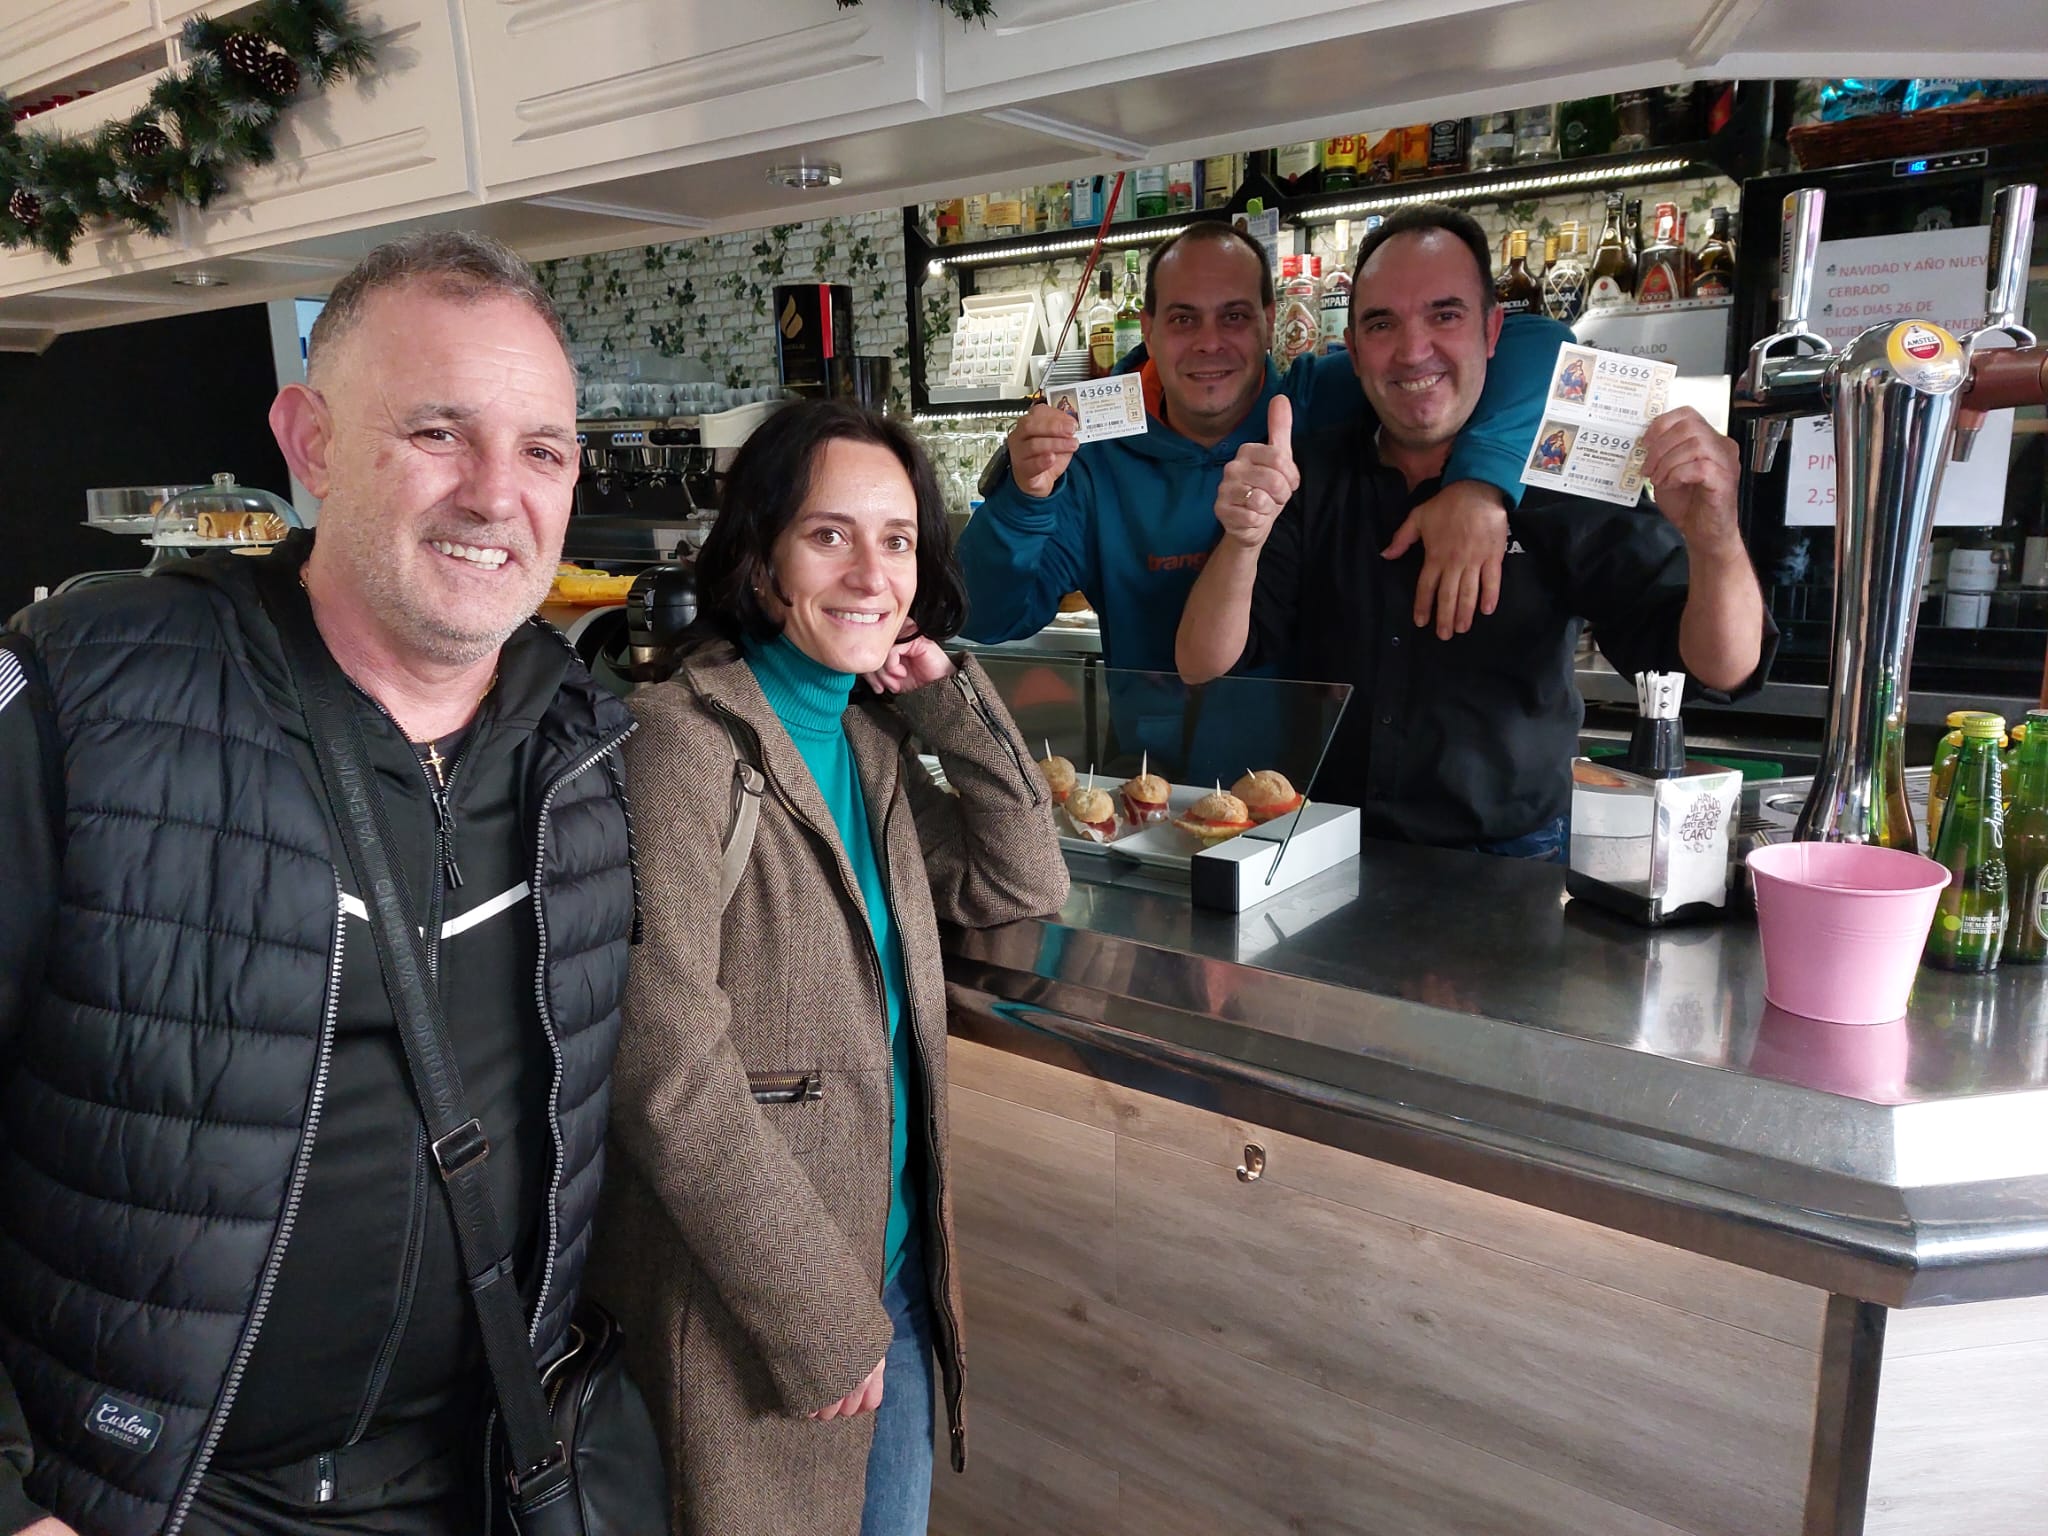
<point x="31" y="810"/>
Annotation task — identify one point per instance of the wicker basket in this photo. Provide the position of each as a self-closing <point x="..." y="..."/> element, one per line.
<point x="1970" y="125"/>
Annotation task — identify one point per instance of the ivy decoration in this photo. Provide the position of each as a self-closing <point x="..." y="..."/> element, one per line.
<point x="966" y="10"/>
<point x="209" y="119"/>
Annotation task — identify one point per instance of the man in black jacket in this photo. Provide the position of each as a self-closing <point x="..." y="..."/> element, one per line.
<point x="230" y="1298"/>
<point x="1463" y="741"/>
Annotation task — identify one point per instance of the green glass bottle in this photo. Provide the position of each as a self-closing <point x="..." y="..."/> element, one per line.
<point x="2009" y="760"/>
<point x="1969" y="920"/>
<point x="1944" y="770"/>
<point x="2026" y="846"/>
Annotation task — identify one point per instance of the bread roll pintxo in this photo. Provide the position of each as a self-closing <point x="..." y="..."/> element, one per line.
<point x="1267" y="794"/>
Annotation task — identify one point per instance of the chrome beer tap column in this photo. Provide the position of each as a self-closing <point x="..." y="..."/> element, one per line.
<point x="1893" y="392"/>
<point x="1897" y="393"/>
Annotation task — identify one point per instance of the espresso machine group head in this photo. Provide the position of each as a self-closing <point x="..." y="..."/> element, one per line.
<point x="1905" y="397"/>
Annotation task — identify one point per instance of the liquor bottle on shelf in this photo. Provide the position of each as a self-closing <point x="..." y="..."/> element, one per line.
<point x="2026" y="847"/>
<point x="1585" y="127"/>
<point x="1411" y="152"/>
<point x="1675" y="114"/>
<point x="1100" y="318"/>
<point x="1447" y="147"/>
<point x="1382" y="162"/>
<point x="1564" y="274"/>
<point x="1663" y="266"/>
<point x="1970" y="915"/>
<point x="1536" y="134"/>
<point x="948" y="217"/>
<point x="1220" y="176"/>
<point x="1180" y="186"/>
<point x="1492" y="137"/>
<point x="1631" y="122"/>
<point x="1084" y="200"/>
<point x="1296" y="325"/>
<point x="1152" y="196"/>
<point x="974" y="217"/>
<point x="1611" y="279"/>
<point x="1296" y="169"/>
<point x="1515" y="290"/>
<point x="1632" y="232"/>
<point x="1333" y="307"/>
<point x="1005" y="214"/>
<point x="1340" y="163"/>
<point x="1713" y="274"/>
<point x="1129" y="328"/>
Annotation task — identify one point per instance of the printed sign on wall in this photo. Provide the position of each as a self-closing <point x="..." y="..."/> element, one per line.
<point x="1935" y="275"/>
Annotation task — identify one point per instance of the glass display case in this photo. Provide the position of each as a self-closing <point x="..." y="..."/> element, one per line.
<point x="1178" y="767"/>
<point x="222" y="515"/>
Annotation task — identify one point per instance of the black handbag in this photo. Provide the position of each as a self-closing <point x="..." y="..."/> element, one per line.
<point x="576" y="1446"/>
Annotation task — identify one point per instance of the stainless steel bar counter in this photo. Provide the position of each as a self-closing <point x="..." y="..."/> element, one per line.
<point x="1720" y="1204"/>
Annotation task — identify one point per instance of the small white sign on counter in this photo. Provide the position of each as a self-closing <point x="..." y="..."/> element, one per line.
<point x="1691" y="335"/>
<point x="1936" y="275"/>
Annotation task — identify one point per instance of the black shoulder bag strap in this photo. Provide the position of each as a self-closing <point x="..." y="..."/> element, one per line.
<point x="540" y="1468"/>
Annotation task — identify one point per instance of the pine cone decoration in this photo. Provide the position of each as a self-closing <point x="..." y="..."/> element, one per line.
<point x="279" y="76"/>
<point x="147" y="142"/>
<point x="245" y="54"/>
<point x="25" y="208"/>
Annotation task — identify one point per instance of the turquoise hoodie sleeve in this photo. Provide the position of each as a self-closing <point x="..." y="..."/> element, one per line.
<point x="1495" y="441"/>
<point x="1020" y="555"/>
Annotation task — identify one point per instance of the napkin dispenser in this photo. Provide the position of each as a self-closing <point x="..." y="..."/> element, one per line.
<point x="1650" y="833"/>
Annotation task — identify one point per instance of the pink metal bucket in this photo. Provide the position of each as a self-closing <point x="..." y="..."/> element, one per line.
<point x="1842" y="927"/>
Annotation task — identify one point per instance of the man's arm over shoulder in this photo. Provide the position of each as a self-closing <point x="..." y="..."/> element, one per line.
<point x="1495" y="442"/>
<point x="30" y="808"/>
<point x="1021" y="554"/>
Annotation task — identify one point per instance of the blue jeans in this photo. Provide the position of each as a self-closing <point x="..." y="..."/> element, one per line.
<point x="1548" y="844"/>
<point x="899" y="1488"/>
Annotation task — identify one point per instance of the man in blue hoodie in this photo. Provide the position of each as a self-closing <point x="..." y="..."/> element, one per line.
<point x="1130" y="521"/>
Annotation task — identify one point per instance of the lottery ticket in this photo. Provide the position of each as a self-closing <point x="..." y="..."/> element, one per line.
<point x="1111" y="407"/>
<point x="1599" y="406"/>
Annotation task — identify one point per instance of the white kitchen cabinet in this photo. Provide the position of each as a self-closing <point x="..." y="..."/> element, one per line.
<point x="41" y="40"/>
<point x="569" y="87"/>
<point x="361" y="152"/>
<point x="1102" y="41"/>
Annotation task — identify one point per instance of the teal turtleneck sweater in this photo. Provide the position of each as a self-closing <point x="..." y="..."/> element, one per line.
<point x="810" y="699"/>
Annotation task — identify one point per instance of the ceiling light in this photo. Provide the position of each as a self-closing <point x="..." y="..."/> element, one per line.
<point x="805" y="175"/>
<point x="199" y="277"/>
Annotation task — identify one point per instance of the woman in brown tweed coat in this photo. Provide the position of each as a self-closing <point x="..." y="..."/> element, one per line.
<point x="761" y="1188"/>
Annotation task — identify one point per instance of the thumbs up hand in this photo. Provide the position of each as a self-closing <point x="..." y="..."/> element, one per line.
<point x="1260" y="480"/>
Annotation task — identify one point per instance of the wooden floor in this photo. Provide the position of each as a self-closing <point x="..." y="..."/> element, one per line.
<point x="1341" y="1346"/>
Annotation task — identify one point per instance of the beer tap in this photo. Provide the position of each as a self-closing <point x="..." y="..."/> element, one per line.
<point x="1785" y="373"/>
<point x="2005" y="296"/>
<point x="1898" y="394"/>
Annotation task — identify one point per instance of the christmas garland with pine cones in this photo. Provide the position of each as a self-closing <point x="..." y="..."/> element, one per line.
<point x="213" y="116"/>
<point x="966" y="10"/>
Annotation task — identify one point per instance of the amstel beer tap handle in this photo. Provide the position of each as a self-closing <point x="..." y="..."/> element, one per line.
<point x="1798" y="255"/>
<point x="2005" y="296"/>
<point x="2005" y="275"/>
<point x="1783" y="378"/>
